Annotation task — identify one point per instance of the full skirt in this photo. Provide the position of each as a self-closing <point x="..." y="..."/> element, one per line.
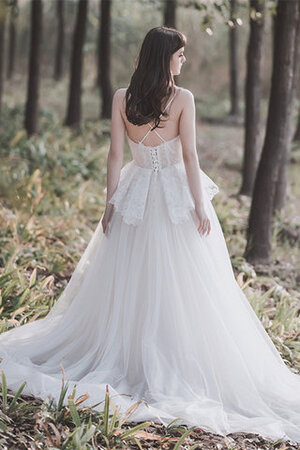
<point x="154" y="311"/>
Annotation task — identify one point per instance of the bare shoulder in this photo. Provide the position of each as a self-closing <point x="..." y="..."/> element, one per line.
<point x="119" y="96"/>
<point x="186" y="95"/>
<point x="185" y="99"/>
<point x="120" y="93"/>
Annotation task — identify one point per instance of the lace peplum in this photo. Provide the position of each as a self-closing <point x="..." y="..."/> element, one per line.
<point x="162" y="164"/>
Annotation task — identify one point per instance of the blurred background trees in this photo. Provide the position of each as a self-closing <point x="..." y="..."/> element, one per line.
<point x="60" y="40"/>
<point x="33" y="84"/>
<point x="73" y="117"/>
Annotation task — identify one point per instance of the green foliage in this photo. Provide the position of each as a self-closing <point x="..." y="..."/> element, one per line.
<point x="10" y="403"/>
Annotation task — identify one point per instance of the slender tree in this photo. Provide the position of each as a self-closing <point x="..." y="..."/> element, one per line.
<point x="234" y="61"/>
<point x="170" y="13"/>
<point x="73" y="117"/>
<point x="281" y="182"/>
<point x="12" y="39"/>
<point x="104" y="58"/>
<point x="58" y="66"/>
<point x="297" y="131"/>
<point x="32" y="103"/>
<point x="2" y="33"/>
<point x="253" y="95"/>
<point x="278" y="132"/>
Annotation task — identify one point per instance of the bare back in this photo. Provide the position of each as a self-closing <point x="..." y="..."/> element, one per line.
<point x="169" y="130"/>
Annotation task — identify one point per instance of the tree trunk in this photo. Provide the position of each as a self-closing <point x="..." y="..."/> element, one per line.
<point x="234" y="62"/>
<point x="2" y="32"/>
<point x="278" y="133"/>
<point x="281" y="184"/>
<point x="12" y="41"/>
<point x="104" y="59"/>
<point x="58" y="67"/>
<point x="273" y="27"/>
<point x="74" y="102"/>
<point x="297" y="132"/>
<point x="170" y="13"/>
<point x="253" y="96"/>
<point x="32" y="104"/>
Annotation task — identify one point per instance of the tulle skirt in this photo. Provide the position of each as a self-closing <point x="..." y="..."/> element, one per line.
<point x="154" y="311"/>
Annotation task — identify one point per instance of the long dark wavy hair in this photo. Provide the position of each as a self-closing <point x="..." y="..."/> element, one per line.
<point x="149" y="86"/>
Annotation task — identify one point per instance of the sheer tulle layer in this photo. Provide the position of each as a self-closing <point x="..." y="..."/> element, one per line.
<point x="154" y="310"/>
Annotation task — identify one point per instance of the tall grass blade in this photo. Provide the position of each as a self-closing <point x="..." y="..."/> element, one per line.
<point x="13" y="404"/>
<point x="4" y="390"/>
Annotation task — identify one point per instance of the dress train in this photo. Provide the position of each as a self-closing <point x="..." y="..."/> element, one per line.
<point x="153" y="310"/>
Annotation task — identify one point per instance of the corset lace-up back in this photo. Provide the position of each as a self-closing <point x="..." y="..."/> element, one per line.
<point x="156" y="157"/>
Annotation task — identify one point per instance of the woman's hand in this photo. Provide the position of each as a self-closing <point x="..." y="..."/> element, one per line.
<point x="107" y="216"/>
<point x="204" y="222"/>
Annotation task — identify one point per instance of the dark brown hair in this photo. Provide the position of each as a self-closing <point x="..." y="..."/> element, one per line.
<point x="149" y="84"/>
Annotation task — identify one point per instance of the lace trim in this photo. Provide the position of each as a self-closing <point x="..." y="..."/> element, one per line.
<point x="210" y="187"/>
<point x="177" y="193"/>
<point x="130" y="197"/>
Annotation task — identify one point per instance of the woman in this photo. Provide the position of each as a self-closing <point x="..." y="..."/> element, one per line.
<point x="153" y="308"/>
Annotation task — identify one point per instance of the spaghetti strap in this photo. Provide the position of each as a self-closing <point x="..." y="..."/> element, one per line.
<point x="146" y="134"/>
<point x="166" y="107"/>
<point x="170" y="102"/>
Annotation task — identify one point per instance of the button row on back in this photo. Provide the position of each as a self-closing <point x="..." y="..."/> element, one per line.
<point x="154" y="158"/>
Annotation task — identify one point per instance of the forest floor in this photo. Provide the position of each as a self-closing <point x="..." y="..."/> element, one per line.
<point x="51" y="198"/>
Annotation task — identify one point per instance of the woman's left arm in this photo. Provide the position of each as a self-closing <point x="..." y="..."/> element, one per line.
<point x="115" y="154"/>
<point x="116" y="149"/>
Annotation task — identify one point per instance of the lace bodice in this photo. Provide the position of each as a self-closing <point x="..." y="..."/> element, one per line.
<point x="161" y="164"/>
<point x="156" y="157"/>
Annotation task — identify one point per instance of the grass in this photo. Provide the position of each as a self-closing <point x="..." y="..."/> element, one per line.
<point x="51" y="197"/>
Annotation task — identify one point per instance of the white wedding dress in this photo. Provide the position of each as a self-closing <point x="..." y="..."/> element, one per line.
<point x="153" y="310"/>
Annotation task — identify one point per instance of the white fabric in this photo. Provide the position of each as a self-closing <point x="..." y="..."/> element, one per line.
<point x="162" y="165"/>
<point x="153" y="310"/>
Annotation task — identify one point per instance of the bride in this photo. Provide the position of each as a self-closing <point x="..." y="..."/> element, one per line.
<point x="153" y="308"/>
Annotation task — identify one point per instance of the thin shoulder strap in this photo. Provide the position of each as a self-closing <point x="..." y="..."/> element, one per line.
<point x="170" y="102"/>
<point x="166" y="107"/>
<point x="146" y="134"/>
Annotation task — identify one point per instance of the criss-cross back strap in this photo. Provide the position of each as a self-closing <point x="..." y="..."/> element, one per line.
<point x="159" y="116"/>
